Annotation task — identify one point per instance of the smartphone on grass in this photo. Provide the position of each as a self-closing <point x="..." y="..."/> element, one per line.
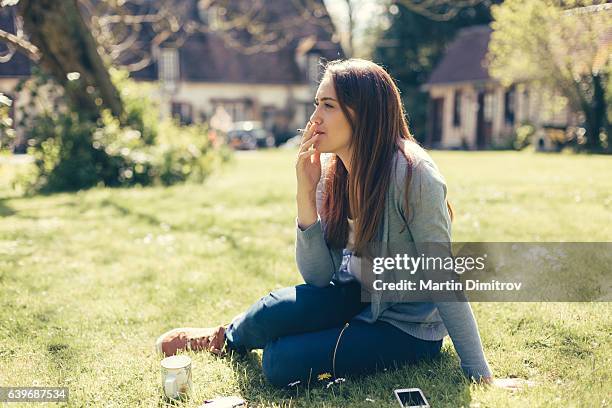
<point x="411" y="398"/>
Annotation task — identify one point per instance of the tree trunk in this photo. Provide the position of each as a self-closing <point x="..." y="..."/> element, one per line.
<point x="600" y="108"/>
<point x="66" y="45"/>
<point x="595" y="114"/>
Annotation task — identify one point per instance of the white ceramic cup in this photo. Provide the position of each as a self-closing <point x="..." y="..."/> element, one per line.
<point x="176" y="376"/>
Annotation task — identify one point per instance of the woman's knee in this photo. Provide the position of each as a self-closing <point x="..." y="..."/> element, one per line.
<point x="286" y="303"/>
<point x="275" y="306"/>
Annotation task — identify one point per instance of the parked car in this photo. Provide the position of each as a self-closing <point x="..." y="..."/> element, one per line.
<point x="241" y="140"/>
<point x="249" y="135"/>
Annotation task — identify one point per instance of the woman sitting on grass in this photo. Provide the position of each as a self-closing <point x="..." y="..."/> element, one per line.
<point x="356" y="198"/>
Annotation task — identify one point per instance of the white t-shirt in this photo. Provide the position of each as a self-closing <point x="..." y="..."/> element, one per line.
<point x="354" y="264"/>
<point x="351" y="234"/>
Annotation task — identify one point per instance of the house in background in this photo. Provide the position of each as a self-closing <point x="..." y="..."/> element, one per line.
<point x="203" y="76"/>
<point x="469" y="109"/>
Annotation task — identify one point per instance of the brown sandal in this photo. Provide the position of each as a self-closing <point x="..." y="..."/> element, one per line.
<point x="210" y="339"/>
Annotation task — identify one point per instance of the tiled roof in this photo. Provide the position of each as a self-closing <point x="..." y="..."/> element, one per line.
<point x="464" y="59"/>
<point x="206" y="58"/>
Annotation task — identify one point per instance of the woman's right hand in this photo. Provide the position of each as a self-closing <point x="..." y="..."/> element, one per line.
<point x="308" y="165"/>
<point x="308" y="171"/>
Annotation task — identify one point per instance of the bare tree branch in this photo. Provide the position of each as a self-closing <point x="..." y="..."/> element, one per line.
<point x="438" y="10"/>
<point x="18" y="40"/>
<point x="6" y="57"/>
<point x="244" y="26"/>
<point x="21" y="44"/>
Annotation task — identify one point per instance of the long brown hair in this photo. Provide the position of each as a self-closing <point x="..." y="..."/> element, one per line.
<point x="379" y="128"/>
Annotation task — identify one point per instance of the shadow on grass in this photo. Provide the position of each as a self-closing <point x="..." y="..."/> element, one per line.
<point x="147" y="218"/>
<point x="5" y="210"/>
<point x="440" y="379"/>
<point x="252" y="384"/>
<point x="193" y="226"/>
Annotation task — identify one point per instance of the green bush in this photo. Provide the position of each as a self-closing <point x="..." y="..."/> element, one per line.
<point x="63" y="155"/>
<point x="523" y="136"/>
<point x="178" y="154"/>
<point x="505" y="142"/>
<point x="140" y="112"/>
<point x="518" y="139"/>
<point x="72" y="153"/>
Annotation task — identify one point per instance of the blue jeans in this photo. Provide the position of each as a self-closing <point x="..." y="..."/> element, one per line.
<point x="306" y="331"/>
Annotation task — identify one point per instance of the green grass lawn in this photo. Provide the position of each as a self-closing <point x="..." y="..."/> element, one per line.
<point x="88" y="280"/>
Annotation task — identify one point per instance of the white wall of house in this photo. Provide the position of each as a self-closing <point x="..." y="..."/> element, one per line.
<point x="7" y="87"/>
<point x="21" y="100"/>
<point x="501" y="130"/>
<point x="531" y="104"/>
<point x="452" y="135"/>
<point x="8" y="84"/>
<point x="203" y="97"/>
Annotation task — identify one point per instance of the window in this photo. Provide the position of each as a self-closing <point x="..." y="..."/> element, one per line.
<point x="209" y="14"/>
<point x="238" y="109"/>
<point x="183" y="112"/>
<point x="168" y="65"/>
<point x="268" y="114"/>
<point x="509" y="105"/>
<point x="457" y="109"/>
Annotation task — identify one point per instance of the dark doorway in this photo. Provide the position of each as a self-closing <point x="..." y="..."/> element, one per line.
<point x="484" y="120"/>
<point x="437" y="121"/>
